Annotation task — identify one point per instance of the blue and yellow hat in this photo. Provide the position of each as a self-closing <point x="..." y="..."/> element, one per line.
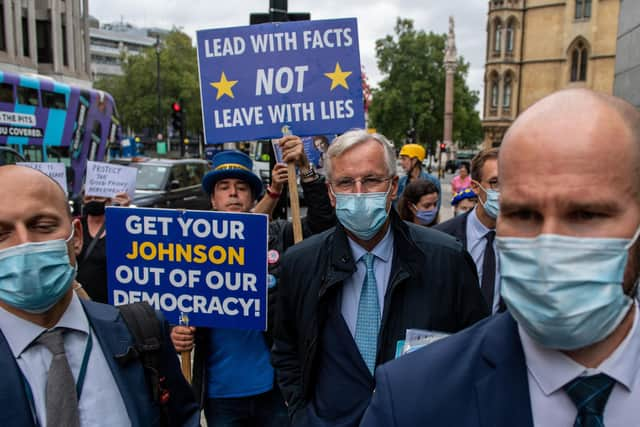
<point x="465" y="193"/>
<point x="232" y="164"/>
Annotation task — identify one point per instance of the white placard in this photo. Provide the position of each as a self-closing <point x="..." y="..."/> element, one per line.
<point x="55" y="171"/>
<point x="107" y="180"/>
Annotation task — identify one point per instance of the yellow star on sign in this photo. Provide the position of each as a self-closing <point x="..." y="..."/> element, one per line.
<point x="224" y="86"/>
<point x="338" y="77"/>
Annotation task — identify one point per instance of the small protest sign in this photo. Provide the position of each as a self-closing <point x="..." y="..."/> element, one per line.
<point x="56" y="171"/>
<point x="211" y="266"/>
<point x="256" y="79"/>
<point x="107" y="180"/>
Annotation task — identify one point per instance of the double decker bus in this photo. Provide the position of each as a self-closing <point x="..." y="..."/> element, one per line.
<point x="48" y="121"/>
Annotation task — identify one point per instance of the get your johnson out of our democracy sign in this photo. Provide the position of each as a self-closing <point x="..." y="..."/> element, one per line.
<point x="256" y="79"/>
<point x="211" y="266"/>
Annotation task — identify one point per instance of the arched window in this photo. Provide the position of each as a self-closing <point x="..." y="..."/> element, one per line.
<point x="497" y="36"/>
<point x="583" y="9"/>
<point x="579" y="60"/>
<point x="510" y="36"/>
<point x="495" y="89"/>
<point x="506" y="91"/>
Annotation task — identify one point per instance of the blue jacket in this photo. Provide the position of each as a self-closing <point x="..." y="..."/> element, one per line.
<point x="476" y="378"/>
<point x="115" y="340"/>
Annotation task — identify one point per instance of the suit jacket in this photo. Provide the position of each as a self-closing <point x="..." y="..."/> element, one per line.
<point x="456" y="227"/>
<point x="117" y="344"/>
<point x="476" y="378"/>
<point x="432" y="285"/>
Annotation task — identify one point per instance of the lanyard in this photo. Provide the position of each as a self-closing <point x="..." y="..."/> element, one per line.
<point x="79" y="382"/>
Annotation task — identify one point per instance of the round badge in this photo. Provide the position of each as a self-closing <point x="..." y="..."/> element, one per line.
<point x="271" y="279"/>
<point x="273" y="256"/>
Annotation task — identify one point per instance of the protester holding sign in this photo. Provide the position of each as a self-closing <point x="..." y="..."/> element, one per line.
<point x="92" y="261"/>
<point x="349" y="295"/>
<point x="233" y="377"/>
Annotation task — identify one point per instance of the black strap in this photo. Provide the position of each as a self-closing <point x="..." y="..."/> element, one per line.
<point x="93" y="243"/>
<point x="146" y="329"/>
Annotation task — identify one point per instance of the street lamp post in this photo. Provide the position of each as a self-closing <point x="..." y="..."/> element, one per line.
<point x="158" y="113"/>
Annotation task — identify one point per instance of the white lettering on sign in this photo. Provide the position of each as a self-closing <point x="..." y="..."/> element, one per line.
<point x="284" y="79"/>
<point x="333" y="37"/>
<point x="224" y="47"/>
<point x="233" y="117"/>
<point x="274" y="42"/>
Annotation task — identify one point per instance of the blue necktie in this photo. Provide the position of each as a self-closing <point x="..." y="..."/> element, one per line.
<point x="590" y="395"/>
<point x="368" y="321"/>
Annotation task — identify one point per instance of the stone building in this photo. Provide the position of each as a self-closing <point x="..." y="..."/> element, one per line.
<point x="48" y="37"/>
<point x="536" y="47"/>
<point x="627" y="81"/>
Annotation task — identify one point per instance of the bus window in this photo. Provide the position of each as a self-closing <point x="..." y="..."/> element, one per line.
<point x="6" y="92"/>
<point x="53" y="100"/>
<point x="28" y="96"/>
<point x="33" y="153"/>
<point x="96" y="137"/>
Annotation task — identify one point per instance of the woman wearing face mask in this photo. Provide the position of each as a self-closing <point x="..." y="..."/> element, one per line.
<point x="419" y="203"/>
<point x="92" y="261"/>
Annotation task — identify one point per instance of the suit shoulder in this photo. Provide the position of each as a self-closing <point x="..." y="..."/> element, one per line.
<point x="452" y="225"/>
<point x="428" y="238"/>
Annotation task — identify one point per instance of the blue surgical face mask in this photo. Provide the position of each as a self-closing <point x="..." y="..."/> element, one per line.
<point x="34" y="276"/>
<point x="492" y="204"/>
<point x="565" y="292"/>
<point x="363" y="214"/>
<point x="426" y="217"/>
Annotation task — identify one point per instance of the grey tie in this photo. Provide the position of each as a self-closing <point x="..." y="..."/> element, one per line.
<point x="61" y="397"/>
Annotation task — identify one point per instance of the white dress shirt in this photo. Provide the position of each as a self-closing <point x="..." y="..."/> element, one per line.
<point x="549" y="370"/>
<point x="476" y="244"/>
<point x="100" y="402"/>
<point x="352" y="288"/>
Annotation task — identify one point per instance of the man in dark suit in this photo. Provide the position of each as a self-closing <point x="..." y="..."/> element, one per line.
<point x="566" y="353"/>
<point x="348" y="295"/>
<point x="476" y="229"/>
<point x="67" y="362"/>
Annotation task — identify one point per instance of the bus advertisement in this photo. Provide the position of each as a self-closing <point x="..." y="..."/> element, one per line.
<point x="48" y="121"/>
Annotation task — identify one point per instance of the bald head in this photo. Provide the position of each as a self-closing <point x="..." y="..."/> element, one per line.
<point x="580" y="122"/>
<point x="23" y="179"/>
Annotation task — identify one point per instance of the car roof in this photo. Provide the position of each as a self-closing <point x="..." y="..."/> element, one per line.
<point x="164" y="162"/>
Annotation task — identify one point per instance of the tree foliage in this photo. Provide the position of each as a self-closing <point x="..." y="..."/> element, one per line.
<point x="412" y="63"/>
<point x="135" y="92"/>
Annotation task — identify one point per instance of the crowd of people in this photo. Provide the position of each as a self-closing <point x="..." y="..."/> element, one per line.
<point x="531" y="288"/>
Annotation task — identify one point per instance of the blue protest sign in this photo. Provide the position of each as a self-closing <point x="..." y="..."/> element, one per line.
<point x="256" y="79"/>
<point x="211" y="266"/>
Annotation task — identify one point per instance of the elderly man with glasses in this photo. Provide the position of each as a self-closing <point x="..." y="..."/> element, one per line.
<point x="349" y="295"/>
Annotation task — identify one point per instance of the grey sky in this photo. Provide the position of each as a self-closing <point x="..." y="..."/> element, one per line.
<point x="376" y="18"/>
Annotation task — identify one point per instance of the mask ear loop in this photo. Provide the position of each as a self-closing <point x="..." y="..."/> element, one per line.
<point x="634" y="291"/>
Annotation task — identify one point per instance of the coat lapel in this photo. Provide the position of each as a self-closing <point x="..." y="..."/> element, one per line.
<point x="117" y="345"/>
<point x="13" y="399"/>
<point x="502" y="394"/>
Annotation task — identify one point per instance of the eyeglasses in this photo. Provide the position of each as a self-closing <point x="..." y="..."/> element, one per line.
<point x="370" y="184"/>
<point x="494" y="184"/>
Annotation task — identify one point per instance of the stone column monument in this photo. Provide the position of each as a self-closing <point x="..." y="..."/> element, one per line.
<point x="450" y="66"/>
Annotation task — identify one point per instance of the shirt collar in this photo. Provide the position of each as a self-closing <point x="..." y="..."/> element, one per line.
<point x="20" y="333"/>
<point x="383" y="250"/>
<point x="477" y="229"/>
<point x="552" y="369"/>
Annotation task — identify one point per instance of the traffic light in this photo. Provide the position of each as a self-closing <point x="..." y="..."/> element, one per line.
<point x="177" y="118"/>
<point x="411" y="136"/>
<point x="443" y="147"/>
